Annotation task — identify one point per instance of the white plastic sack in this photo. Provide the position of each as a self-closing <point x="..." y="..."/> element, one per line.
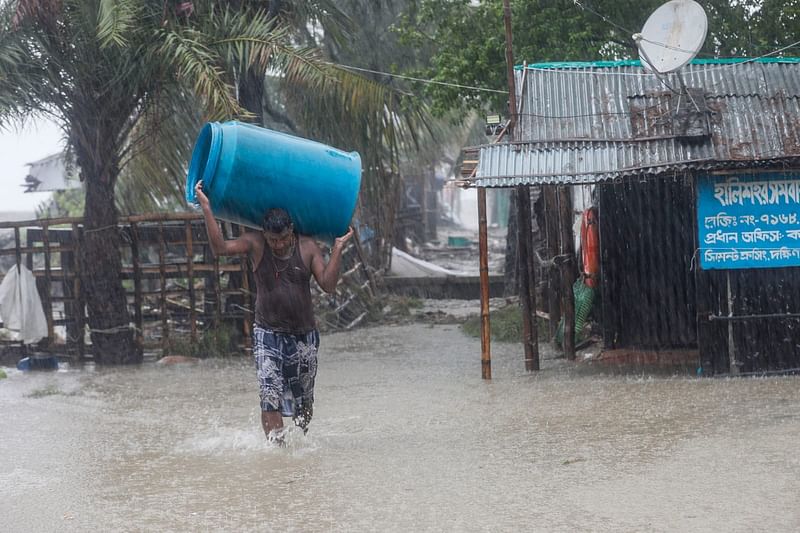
<point x="20" y="306"/>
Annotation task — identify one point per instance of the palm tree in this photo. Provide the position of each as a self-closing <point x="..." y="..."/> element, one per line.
<point x="360" y="39"/>
<point x="348" y="109"/>
<point x="120" y="75"/>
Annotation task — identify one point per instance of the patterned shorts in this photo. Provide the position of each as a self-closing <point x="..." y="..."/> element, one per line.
<point x="286" y="363"/>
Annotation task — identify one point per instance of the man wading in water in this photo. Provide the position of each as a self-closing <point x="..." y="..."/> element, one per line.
<point x="285" y="336"/>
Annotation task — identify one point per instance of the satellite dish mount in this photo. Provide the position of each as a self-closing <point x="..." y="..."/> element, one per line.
<point x="672" y="36"/>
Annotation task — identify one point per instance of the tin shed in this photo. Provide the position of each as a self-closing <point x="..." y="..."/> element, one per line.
<point x="695" y="178"/>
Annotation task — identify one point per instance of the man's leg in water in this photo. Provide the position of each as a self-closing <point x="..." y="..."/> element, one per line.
<point x="300" y="371"/>
<point x="268" y="354"/>
<point x="271" y="420"/>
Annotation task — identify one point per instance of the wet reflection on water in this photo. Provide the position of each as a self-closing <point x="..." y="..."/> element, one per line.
<point x="405" y="437"/>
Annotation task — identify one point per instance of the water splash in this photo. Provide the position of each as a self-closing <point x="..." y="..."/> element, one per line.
<point x="226" y="440"/>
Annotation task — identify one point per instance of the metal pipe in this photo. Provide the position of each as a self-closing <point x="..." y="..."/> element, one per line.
<point x="713" y="318"/>
<point x="763" y="373"/>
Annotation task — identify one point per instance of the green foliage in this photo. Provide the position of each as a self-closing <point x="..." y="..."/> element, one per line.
<point x="774" y="22"/>
<point x="505" y="325"/>
<point x="403" y="305"/>
<point x="51" y="390"/>
<point x="130" y="73"/>
<point x="467" y="39"/>
<point x="215" y="342"/>
<point x="68" y="203"/>
<point x="115" y="20"/>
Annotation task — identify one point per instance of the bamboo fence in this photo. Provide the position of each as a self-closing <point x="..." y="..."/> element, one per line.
<point x="175" y="286"/>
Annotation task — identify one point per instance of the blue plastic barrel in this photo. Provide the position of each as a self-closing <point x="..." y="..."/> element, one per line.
<point x="247" y="170"/>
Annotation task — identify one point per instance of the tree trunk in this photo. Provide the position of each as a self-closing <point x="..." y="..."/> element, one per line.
<point x="251" y="94"/>
<point x="106" y="303"/>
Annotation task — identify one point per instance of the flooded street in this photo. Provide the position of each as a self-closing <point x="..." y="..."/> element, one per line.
<point x="406" y="437"/>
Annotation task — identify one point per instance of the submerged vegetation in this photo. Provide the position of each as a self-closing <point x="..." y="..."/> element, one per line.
<point x="221" y="341"/>
<point x="51" y="390"/>
<point x="505" y="325"/>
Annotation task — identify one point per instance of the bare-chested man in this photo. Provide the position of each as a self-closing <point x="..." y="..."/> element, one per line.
<point x="285" y="336"/>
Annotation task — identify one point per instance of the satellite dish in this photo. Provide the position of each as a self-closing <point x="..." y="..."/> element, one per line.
<point x="672" y="36"/>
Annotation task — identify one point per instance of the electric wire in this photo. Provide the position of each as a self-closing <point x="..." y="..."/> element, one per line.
<point x="602" y="17"/>
<point x="577" y="69"/>
<point x="421" y="80"/>
<point x="626" y="30"/>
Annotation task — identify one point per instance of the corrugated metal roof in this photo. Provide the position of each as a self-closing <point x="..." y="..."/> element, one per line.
<point x="576" y="121"/>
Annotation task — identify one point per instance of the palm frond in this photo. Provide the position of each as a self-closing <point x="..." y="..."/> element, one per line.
<point x="378" y="114"/>
<point x="154" y="178"/>
<point x="198" y="65"/>
<point x="115" y="18"/>
<point x="307" y="17"/>
<point x="24" y="90"/>
<point x="251" y="40"/>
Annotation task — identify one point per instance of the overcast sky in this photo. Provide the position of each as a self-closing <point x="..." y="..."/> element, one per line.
<point x="37" y="140"/>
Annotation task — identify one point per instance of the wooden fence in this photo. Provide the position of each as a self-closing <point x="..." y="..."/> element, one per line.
<point x="175" y="285"/>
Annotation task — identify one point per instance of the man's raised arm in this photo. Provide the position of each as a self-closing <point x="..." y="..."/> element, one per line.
<point x="219" y="245"/>
<point x="327" y="275"/>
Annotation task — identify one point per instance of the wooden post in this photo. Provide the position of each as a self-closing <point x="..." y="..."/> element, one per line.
<point x="190" y="273"/>
<point x="523" y="214"/>
<point x="532" y="364"/>
<point x="483" y="252"/>
<point x="553" y="249"/>
<point x="48" y="289"/>
<point x="137" y="286"/>
<point x="80" y="308"/>
<point x="246" y="299"/>
<point x="29" y="264"/>
<point x="567" y="250"/>
<point x="17" y="246"/>
<point x="163" y="275"/>
<point x="512" y="93"/>
<point x="29" y="246"/>
<point x="218" y="288"/>
<point x="527" y="283"/>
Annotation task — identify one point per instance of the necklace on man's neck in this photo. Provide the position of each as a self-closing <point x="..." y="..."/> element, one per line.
<point x="287" y="259"/>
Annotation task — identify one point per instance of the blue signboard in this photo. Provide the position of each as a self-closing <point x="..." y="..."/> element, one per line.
<point x="748" y="221"/>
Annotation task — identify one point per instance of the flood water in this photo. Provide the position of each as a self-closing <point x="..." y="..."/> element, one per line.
<point x="406" y="437"/>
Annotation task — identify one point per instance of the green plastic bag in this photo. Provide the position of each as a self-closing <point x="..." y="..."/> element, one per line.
<point x="584" y="299"/>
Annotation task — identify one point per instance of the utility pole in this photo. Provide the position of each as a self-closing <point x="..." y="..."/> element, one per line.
<point x="527" y="278"/>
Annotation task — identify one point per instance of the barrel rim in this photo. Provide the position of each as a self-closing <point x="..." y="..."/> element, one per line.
<point x="205" y="158"/>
